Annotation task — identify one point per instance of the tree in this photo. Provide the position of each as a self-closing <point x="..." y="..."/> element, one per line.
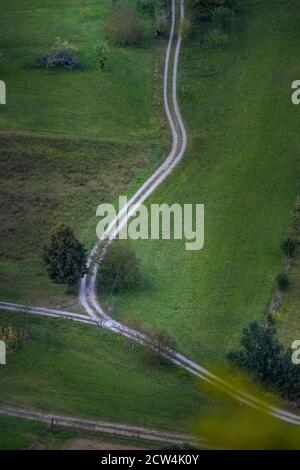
<point x="119" y="269"/>
<point x="64" y="257"/>
<point x="122" y="26"/>
<point x="204" y="9"/>
<point x="222" y="17"/>
<point x="162" y="342"/>
<point x="260" y="352"/>
<point x="101" y="54"/>
<point x="161" y="347"/>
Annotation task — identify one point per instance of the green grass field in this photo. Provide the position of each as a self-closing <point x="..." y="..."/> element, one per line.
<point x="85" y="371"/>
<point x="242" y="162"/>
<point x="287" y="318"/>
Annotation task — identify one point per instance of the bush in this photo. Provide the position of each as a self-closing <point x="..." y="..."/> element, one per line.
<point x="223" y="17"/>
<point x="13" y="338"/>
<point x="62" y="54"/>
<point x="162" y="25"/>
<point x="233" y="4"/>
<point x="216" y="39"/>
<point x="119" y="269"/>
<point x="64" y="257"/>
<point x="288" y="378"/>
<point x="146" y="6"/>
<point x="283" y="282"/>
<point x="204" y="9"/>
<point x="185" y="28"/>
<point x="101" y="52"/>
<point x="123" y="27"/>
<point x="289" y="246"/>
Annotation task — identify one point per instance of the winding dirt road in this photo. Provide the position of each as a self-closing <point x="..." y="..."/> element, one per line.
<point x="96" y="314"/>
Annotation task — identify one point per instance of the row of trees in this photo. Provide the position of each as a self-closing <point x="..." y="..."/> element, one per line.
<point x="262" y="356"/>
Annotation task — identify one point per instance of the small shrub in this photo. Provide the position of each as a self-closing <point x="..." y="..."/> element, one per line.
<point x="64" y="257"/>
<point x="223" y="17"/>
<point x="259" y="353"/>
<point x="289" y="246"/>
<point x="101" y="54"/>
<point x="233" y="4"/>
<point x="146" y="6"/>
<point x="283" y="282"/>
<point x="185" y="28"/>
<point x="295" y="228"/>
<point x="62" y="54"/>
<point x="216" y="39"/>
<point x="122" y="26"/>
<point x="119" y="269"/>
<point x="161" y="347"/>
<point x="13" y="338"/>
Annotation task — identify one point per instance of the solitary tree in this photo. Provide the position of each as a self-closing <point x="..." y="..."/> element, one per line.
<point x="65" y="257"/>
<point x="119" y="269"/>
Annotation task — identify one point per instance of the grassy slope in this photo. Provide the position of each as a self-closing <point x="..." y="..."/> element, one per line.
<point x="243" y="164"/>
<point x="48" y="177"/>
<point x="89" y="372"/>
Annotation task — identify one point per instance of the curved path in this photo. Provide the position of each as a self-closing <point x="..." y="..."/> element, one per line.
<point x="96" y="314"/>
